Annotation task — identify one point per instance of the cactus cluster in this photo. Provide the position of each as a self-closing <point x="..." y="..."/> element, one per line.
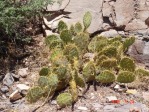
<point x="70" y="69"/>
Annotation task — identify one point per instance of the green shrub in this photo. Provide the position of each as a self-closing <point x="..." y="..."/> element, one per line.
<point x="14" y="15"/>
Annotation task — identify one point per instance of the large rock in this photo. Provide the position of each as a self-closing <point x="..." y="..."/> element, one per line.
<point x="77" y="10"/>
<point x="143" y="12"/>
<point x="124" y="10"/>
<point x="136" y="24"/>
<point x="8" y="79"/>
<point x="140" y="51"/>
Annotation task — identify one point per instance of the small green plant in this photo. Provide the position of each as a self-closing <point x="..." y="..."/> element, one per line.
<point x="70" y="69"/>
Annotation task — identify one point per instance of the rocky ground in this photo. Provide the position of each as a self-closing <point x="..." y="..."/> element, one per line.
<point x="110" y="18"/>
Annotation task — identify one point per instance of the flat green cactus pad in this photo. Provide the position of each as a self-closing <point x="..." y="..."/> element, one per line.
<point x="44" y="71"/>
<point x="62" y="26"/>
<point x="73" y="90"/>
<point x="53" y="80"/>
<point x="87" y="20"/>
<point x="61" y="72"/>
<point x="34" y="94"/>
<point x="78" y="27"/>
<point x="142" y="72"/>
<point x="71" y="51"/>
<point x="97" y="43"/>
<point x="110" y="51"/>
<point x="106" y="77"/>
<point x="127" y="64"/>
<point x="81" y="40"/>
<point x="126" y="77"/>
<point x="64" y="99"/>
<point x="109" y="63"/>
<point x="79" y="81"/>
<point x="128" y="42"/>
<point x="43" y="81"/>
<point x="66" y="36"/>
<point x="89" y="71"/>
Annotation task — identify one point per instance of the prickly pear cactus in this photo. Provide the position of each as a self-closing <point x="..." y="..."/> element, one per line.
<point x="64" y="99"/>
<point x="89" y="71"/>
<point x="81" y="40"/>
<point x="62" y="26"/>
<point x="109" y="63"/>
<point x="97" y="43"/>
<point x="110" y="51"/>
<point x="43" y="81"/>
<point x="53" y="41"/>
<point x="87" y="20"/>
<point x="34" y="94"/>
<point x="79" y="80"/>
<point x="70" y="68"/>
<point x="66" y="36"/>
<point x="50" y="38"/>
<point x="44" y="71"/>
<point x="125" y="77"/>
<point x="142" y="72"/>
<point x="53" y="80"/>
<point x="71" y="51"/>
<point x="73" y="90"/>
<point x="72" y="30"/>
<point x="100" y="59"/>
<point x="61" y="72"/>
<point x="78" y="27"/>
<point x="57" y="57"/>
<point x="106" y="77"/>
<point x="128" y="64"/>
<point x="115" y="39"/>
<point x="128" y="42"/>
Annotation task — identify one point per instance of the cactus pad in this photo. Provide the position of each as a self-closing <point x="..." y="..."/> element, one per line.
<point x="43" y="81"/>
<point x="127" y="64"/>
<point x="79" y="80"/>
<point x="34" y="94"/>
<point x="44" y="71"/>
<point x="73" y="90"/>
<point x="53" y="41"/>
<point x="57" y="58"/>
<point x="64" y="99"/>
<point x="97" y="43"/>
<point x="66" y="36"/>
<point x="128" y="42"/>
<point x="106" y="77"/>
<point x="87" y="20"/>
<point x="62" y="26"/>
<point x="81" y="40"/>
<point x="142" y="72"/>
<point x="72" y="30"/>
<point x="60" y="71"/>
<point x="110" y="51"/>
<point x="78" y="27"/>
<point x="89" y="71"/>
<point x="109" y="63"/>
<point x="125" y="77"/>
<point x="71" y="51"/>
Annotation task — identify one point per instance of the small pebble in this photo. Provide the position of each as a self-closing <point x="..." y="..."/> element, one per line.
<point x="83" y="108"/>
<point x="4" y="89"/>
